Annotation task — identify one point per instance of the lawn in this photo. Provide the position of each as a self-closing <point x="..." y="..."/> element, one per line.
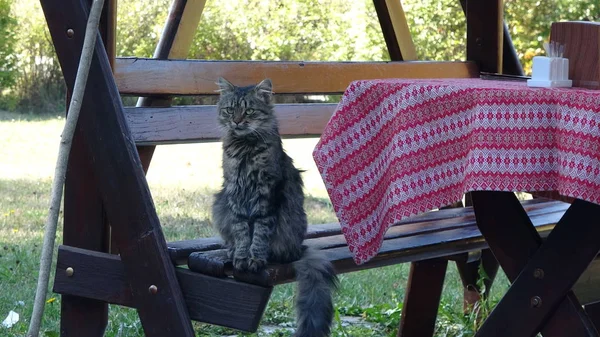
<point x="182" y="179"/>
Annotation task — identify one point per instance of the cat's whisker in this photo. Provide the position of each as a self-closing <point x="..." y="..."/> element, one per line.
<point x="254" y="130"/>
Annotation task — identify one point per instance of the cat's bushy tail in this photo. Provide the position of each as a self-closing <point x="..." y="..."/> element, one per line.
<point x="316" y="281"/>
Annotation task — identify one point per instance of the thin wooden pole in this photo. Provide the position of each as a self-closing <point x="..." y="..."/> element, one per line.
<point x="61" y="166"/>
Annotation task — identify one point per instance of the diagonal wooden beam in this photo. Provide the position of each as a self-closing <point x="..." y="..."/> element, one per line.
<point x="395" y="30"/>
<point x="120" y="177"/>
<point x="515" y="244"/>
<point x="174" y="43"/>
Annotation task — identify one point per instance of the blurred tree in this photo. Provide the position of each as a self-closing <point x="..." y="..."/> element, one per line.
<point x="39" y="87"/>
<point x="7" y="46"/>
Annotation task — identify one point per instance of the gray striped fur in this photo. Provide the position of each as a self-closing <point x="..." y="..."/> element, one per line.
<point x="259" y="210"/>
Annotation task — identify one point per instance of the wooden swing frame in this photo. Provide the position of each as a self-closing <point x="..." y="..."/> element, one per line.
<point x="108" y="205"/>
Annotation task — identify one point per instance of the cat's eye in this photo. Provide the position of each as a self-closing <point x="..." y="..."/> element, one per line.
<point x="250" y="111"/>
<point x="228" y="110"/>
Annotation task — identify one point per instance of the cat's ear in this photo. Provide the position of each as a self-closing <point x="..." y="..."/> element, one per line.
<point x="224" y="85"/>
<point x="264" y="90"/>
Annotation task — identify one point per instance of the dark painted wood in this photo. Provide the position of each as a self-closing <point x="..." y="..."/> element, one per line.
<point x="513" y="240"/>
<point x="208" y="299"/>
<point x="511" y="65"/>
<point x="120" y="177"/>
<point x="210" y="263"/>
<point x="84" y="222"/>
<point x="329" y="235"/>
<point x="387" y="29"/>
<point x="445" y="242"/>
<point x="484" y="34"/>
<point x="422" y="298"/>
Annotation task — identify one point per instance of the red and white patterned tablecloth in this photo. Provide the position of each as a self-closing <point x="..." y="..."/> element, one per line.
<point x="401" y="147"/>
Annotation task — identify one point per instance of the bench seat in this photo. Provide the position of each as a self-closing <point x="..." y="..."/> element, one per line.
<point x="447" y="233"/>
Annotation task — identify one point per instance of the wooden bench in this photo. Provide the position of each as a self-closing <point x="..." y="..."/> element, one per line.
<point x="428" y="241"/>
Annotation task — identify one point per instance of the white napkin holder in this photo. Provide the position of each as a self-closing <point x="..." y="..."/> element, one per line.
<point x="550" y="72"/>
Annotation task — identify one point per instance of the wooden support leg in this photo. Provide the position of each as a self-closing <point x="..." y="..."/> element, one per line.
<point x="422" y="298"/>
<point x="469" y="274"/>
<point x="85" y="225"/>
<point x="540" y="298"/>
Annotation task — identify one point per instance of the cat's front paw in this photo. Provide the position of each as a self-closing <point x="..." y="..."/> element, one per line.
<point x="256" y="264"/>
<point x="241" y="263"/>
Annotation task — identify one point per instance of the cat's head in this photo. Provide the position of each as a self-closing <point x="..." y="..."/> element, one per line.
<point x="245" y="110"/>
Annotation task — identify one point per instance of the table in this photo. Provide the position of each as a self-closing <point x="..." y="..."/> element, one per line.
<point x="400" y="147"/>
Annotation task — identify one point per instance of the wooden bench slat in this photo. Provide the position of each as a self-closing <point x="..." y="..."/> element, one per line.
<point x="148" y="77"/>
<point x="183" y="124"/>
<point x="101" y="276"/>
<point x="427" y="222"/>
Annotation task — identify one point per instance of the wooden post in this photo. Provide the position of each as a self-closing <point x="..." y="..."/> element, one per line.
<point x="510" y="61"/>
<point x="485" y="28"/>
<point x="422" y="298"/>
<point x="395" y="30"/>
<point x="85" y="225"/>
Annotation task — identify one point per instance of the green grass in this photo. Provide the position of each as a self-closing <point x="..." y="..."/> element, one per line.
<point x="182" y="179"/>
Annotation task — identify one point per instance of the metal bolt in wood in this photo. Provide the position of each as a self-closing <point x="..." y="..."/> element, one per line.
<point x="536" y="302"/>
<point x="69" y="272"/>
<point x="70" y="33"/>
<point x="153" y="289"/>
<point x="538" y="273"/>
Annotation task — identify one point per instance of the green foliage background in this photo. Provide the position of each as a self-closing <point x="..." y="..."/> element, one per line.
<point x="307" y="30"/>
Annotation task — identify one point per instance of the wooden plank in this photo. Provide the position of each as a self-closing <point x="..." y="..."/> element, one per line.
<point x="178" y="77"/>
<point x="424" y="223"/>
<point x="182" y="124"/>
<point x="484" y="34"/>
<point x="174" y="42"/>
<point x="84" y="221"/>
<point x="102" y="277"/>
<point x="120" y="179"/>
<point x="513" y="240"/>
<point x="395" y="30"/>
<point x="422" y="298"/>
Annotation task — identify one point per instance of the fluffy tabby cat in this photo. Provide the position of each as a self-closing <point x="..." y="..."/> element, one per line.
<point x="259" y="210"/>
